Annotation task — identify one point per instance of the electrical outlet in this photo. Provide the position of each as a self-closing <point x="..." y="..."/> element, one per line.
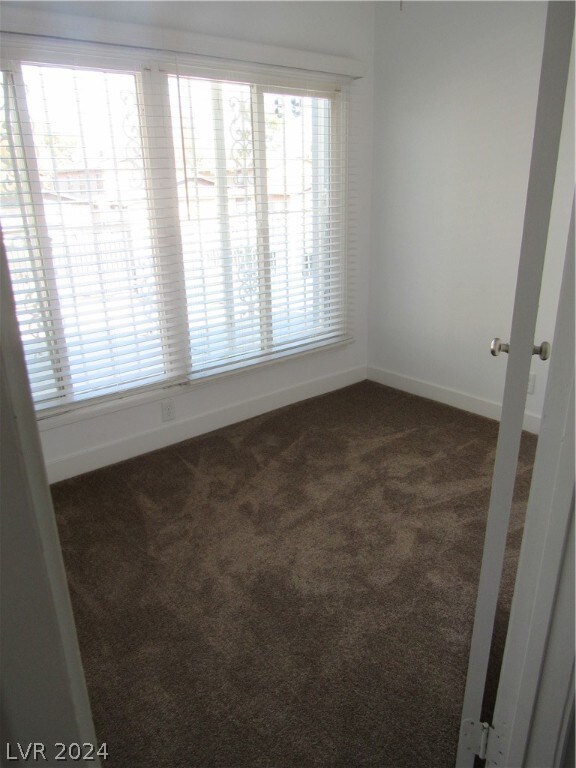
<point x="531" y="383"/>
<point x="168" y="411"/>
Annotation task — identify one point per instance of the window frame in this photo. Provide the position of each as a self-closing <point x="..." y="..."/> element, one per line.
<point x="151" y="69"/>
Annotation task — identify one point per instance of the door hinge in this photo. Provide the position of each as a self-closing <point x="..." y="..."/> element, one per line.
<point x="483" y="740"/>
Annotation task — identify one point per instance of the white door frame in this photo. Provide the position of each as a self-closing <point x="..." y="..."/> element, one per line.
<point x="545" y="150"/>
<point x="43" y="690"/>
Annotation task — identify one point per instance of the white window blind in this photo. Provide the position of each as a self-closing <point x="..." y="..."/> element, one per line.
<point x="163" y="223"/>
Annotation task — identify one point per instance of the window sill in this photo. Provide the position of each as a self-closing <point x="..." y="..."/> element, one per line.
<point x="154" y="393"/>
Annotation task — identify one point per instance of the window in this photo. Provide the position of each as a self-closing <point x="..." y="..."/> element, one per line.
<point x="163" y="223"/>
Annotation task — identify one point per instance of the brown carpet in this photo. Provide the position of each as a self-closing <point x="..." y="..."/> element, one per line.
<point x="295" y="590"/>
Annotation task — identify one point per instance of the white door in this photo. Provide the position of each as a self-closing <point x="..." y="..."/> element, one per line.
<point x="549" y="118"/>
<point x="536" y="687"/>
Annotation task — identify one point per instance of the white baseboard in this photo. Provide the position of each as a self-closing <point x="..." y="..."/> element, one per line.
<point x="174" y="432"/>
<point x="461" y="400"/>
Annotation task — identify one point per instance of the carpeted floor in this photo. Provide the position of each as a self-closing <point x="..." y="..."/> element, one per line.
<point x="295" y="590"/>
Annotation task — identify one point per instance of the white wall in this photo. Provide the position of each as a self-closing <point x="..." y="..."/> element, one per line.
<point x="455" y="100"/>
<point x="105" y="434"/>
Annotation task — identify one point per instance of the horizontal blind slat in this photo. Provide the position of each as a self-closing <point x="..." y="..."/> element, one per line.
<point x="149" y="242"/>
